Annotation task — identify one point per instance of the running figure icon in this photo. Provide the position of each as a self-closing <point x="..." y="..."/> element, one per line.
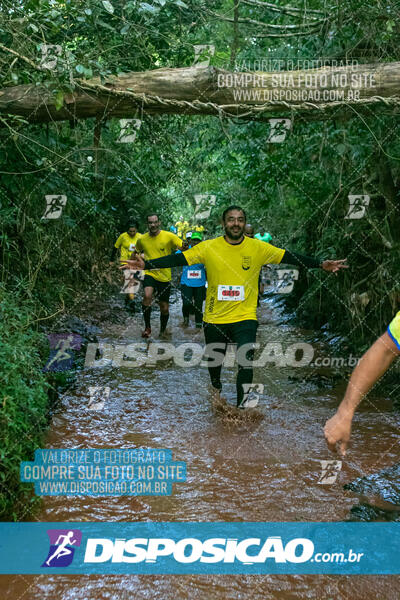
<point x="62" y="549"/>
<point x="62" y="346"/>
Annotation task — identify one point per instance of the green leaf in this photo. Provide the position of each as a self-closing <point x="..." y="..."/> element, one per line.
<point x="148" y="7"/>
<point x="341" y="149"/>
<point x="108" y="6"/>
<point x="59" y="101"/>
<point x="124" y="29"/>
<point x="80" y="68"/>
<point x="88" y="11"/>
<point x="106" y="25"/>
<point x="180" y="3"/>
<point x="33" y="27"/>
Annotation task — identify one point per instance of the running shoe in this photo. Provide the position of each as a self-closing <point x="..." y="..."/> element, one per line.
<point x="146" y="333"/>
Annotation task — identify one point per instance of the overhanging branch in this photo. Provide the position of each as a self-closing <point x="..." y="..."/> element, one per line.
<point x="248" y="21"/>
<point x="299" y="13"/>
<point x="285" y="9"/>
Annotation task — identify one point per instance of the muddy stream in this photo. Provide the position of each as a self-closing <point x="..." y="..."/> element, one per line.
<point x="237" y="470"/>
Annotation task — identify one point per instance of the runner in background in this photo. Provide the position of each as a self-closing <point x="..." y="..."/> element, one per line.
<point x="249" y="232"/>
<point x="371" y="367"/>
<point x="199" y="229"/>
<point x="126" y="244"/>
<point x="263" y="236"/>
<point x="193" y="288"/>
<point x="181" y="227"/>
<point x="155" y="244"/>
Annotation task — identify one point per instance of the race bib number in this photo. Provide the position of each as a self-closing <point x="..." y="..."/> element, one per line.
<point x="231" y="292"/>
<point x="195" y="274"/>
<point x="132" y="247"/>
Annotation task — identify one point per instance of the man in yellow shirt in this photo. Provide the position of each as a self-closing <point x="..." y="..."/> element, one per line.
<point x="372" y="365"/>
<point x="233" y="264"/>
<point x="155" y="244"/>
<point x="126" y="244"/>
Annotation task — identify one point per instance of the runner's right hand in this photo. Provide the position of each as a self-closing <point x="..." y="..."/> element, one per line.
<point x="338" y="429"/>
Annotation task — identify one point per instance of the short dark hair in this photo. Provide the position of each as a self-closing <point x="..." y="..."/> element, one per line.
<point x="152" y="215"/>
<point x="133" y="223"/>
<point x="233" y="207"/>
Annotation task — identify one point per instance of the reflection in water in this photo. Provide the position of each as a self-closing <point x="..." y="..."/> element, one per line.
<point x="259" y="468"/>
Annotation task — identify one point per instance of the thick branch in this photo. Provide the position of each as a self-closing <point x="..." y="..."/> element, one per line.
<point x="211" y="91"/>
<point x="20" y="56"/>
<point x="249" y="21"/>
<point x="284" y="9"/>
<point x="298" y="13"/>
<point x="282" y="35"/>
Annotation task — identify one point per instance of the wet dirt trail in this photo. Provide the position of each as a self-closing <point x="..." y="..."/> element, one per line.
<point x="236" y="471"/>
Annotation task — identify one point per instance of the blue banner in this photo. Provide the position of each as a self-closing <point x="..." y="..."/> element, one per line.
<point x="186" y="548"/>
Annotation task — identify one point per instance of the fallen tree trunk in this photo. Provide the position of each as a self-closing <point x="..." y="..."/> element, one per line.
<point x="209" y="91"/>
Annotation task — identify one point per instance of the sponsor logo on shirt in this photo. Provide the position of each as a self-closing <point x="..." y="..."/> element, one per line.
<point x="246" y="262"/>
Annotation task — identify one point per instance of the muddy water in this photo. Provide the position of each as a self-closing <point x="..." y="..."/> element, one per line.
<point x="236" y="471"/>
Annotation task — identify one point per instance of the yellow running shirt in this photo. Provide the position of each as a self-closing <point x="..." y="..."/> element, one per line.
<point x="394" y="330"/>
<point x="156" y="246"/>
<point x="127" y="244"/>
<point x="232" y="275"/>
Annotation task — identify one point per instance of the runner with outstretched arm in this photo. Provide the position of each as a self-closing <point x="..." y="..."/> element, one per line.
<point x="233" y="264"/>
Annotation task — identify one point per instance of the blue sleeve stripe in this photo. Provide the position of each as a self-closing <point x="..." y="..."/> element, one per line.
<point x="393" y="338"/>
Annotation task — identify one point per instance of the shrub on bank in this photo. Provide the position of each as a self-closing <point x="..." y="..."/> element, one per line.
<point x="23" y="400"/>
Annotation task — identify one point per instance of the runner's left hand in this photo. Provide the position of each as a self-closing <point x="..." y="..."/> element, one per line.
<point x="136" y="263"/>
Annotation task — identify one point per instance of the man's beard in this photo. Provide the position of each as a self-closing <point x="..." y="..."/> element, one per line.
<point x="234" y="235"/>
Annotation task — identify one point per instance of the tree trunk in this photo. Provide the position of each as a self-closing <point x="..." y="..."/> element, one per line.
<point x="203" y="91"/>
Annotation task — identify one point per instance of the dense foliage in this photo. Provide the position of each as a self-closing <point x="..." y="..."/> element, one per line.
<point x="24" y="399"/>
<point x="298" y="190"/>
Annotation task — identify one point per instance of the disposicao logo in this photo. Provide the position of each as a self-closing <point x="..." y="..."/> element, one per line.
<point x="190" y="550"/>
<point x="62" y="547"/>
